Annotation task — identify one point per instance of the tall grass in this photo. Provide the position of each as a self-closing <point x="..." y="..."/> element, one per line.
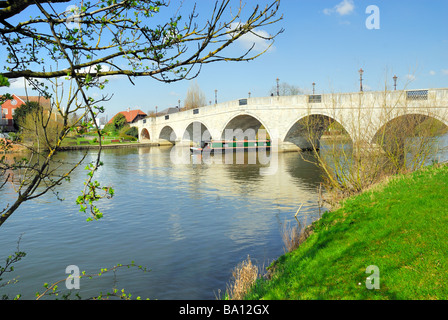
<point x="294" y="235"/>
<point x="244" y="277"/>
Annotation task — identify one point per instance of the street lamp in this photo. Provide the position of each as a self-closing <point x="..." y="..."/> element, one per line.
<point x="314" y="84"/>
<point x="360" y="78"/>
<point x="278" y="88"/>
<point x="216" y="96"/>
<point x="395" y="82"/>
<point x="249" y="94"/>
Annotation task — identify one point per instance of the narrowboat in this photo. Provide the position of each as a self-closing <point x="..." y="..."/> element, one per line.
<point x="222" y="146"/>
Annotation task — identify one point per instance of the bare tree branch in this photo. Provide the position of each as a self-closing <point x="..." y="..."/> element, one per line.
<point x="100" y="39"/>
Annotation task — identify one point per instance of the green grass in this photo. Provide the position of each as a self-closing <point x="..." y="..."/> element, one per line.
<point x="69" y="141"/>
<point x="401" y="227"/>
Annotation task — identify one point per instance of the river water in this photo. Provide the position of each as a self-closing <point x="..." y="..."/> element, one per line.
<point x="190" y="224"/>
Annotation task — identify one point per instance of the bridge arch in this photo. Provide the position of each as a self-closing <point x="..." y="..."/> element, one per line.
<point x="245" y="125"/>
<point x="168" y="135"/>
<point x="411" y="124"/>
<point x="306" y="131"/>
<point x="196" y="132"/>
<point x="144" y="134"/>
<point x="410" y="139"/>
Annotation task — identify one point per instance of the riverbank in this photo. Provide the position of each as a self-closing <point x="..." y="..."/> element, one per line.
<point x="15" y="148"/>
<point x="398" y="227"/>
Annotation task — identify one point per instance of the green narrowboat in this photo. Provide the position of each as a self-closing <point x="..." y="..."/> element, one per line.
<point x="223" y="145"/>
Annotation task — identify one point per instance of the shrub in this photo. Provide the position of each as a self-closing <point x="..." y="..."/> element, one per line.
<point x="132" y="131"/>
<point x="126" y="137"/>
<point x="244" y="277"/>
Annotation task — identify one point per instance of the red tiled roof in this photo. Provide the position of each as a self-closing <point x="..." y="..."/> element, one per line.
<point x="129" y="115"/>
<point x="41" y="100"/>
<point x="46" y="103"/>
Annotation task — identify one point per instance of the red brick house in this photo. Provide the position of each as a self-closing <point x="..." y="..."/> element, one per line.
<point x="9" y="106"/>
<point x="131" y="115"/>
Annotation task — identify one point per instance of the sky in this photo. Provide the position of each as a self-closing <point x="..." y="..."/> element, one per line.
<point x="325" y="42"/>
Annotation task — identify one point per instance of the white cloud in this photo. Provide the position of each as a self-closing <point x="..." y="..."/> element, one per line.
<point x="21" y="83"/>
<point x="343" y="8"/>
<point x="432" y="73"/>
<point x="18" y="83"/>
<point x="104" y="68"/>
<point x="256" y="38"/>
<point x="328" y="11"/>
<point x="95" y="68"/>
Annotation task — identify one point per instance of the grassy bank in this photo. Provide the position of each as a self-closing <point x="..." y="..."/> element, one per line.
<point x="400" y="226"/>
<point x="91" y="140"/>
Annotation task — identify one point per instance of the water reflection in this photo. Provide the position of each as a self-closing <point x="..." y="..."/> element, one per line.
<point x="190" y="223"/>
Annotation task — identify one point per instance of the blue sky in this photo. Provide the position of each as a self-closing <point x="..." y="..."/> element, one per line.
<point x="326" y="42"/>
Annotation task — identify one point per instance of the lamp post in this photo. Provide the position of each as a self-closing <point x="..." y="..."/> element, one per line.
<point x="278" y="88"/>
<point x="216" y="96"/>
<point x="395" y="82"/>
<point x="314" y="84"/>
<point x="249" y="94"/>
<point x="360" y="79"/>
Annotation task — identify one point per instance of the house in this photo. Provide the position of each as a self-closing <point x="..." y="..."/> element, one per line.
<point x="9" y="106"/>
<point x="131" y="116"/>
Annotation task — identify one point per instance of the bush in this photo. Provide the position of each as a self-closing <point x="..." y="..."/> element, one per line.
<point x="14" y="136"/>
<point x="132" y="131"/>
<point x="39" y="129"/>
<point x="126" y="137"/>
<point x="20" y="113"/>
<point x="119" y="121"/>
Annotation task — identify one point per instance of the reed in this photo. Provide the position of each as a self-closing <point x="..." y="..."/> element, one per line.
<point x="244" y="276"/>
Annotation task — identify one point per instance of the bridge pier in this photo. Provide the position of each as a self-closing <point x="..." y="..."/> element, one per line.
<point x="183" y="143"/>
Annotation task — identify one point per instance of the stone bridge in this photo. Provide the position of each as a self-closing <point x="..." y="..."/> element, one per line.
<point x="361" y="114"/>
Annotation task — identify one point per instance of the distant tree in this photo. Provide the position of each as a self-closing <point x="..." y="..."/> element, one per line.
<point x="195" y="97"/>
<point x="286" y="89"/>
<point x="151" y="114"/>
<point x="21" y="112"/>
<point x="118" y="122"/>
<point x="74" y="118"/>
<point x="39" y="128"/>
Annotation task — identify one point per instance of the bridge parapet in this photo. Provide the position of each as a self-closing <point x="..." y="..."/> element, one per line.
<point x="437" y="97"/>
